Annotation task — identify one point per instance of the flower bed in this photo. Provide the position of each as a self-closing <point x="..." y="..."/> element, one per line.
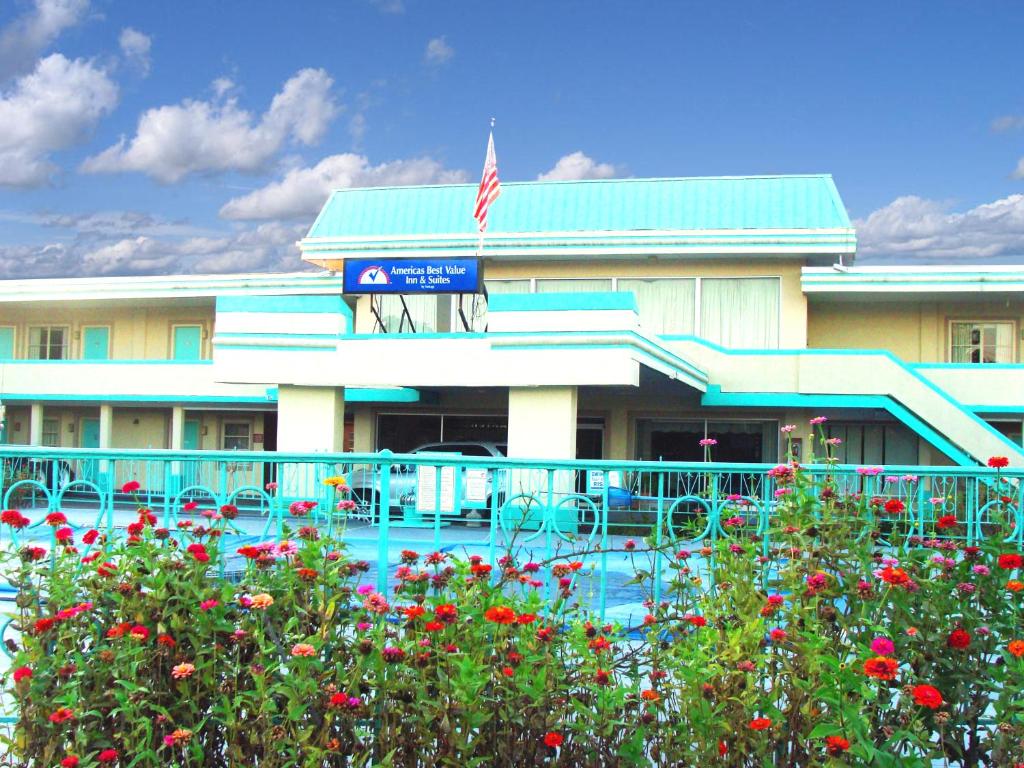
<point x="834" y="638"/>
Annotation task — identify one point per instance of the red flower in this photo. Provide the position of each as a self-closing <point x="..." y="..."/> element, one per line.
<point x="546" y="634"/>
<point x="106" y="569"/>
<point x="446" y="613"/>
<point x="881" y="667"/>
<point x="894" y="506"/>
<point x="88" y="538"/>
<point x="14" y="518"/>
<point x="64" y="535"/>
<point x="34" y="553"/>
<point x="761" y="723"/>
<point x="526" y="618"/>
<point x="602" y="677"/>
<point x="134" y="529"/>
<point x="998" y="462"/>
<point x="43" y="625"/>
<point x="188" y="506"/>
<point x="130" y="487"/>
<point x="723" y="749"/>
<point x="22" y="673"/>
<point x="895" y="576"/>
<point x="413" y="612"/>
<point x="166" y="641"/>
<point x="62" y="715"/>
<point x="433" y="626"/>
<point x="1010" y="561"/>
<point x="71" y="761"/>
<point x="249" y="551"/>
<point x="599" y="644"/>
<point x="553" y="740"/>
<point x="927" y="696"/>
<point x="56" y="518"/>
<point x="198" y="552"/>
<point x="946" y="521"/>
<point x="836" y="745"/>
<point x="108" y="755"/>
<point x="697" y="621"/>
<point x="500" y="614"/>
<point x="959" y="639"/>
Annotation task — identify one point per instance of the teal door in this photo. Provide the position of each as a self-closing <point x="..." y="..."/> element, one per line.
<point x="96" y="343"/>
<point x="6" y="343"/>
<point x="90" y="433"/>
<point x="187" y="339"/>
<point x="190" y="440"/>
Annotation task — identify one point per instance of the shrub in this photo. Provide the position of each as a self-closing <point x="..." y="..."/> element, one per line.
<point x="835" y="633"/>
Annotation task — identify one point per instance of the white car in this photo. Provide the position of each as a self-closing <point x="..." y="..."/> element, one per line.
<point x="365" y="483"/>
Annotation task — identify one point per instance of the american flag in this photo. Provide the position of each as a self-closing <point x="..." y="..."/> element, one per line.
<point x="490" y="187"/>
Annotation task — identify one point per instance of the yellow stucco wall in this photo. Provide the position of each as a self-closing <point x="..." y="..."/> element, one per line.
<point x="139" y="330"/>
<point x="915" y="331"/>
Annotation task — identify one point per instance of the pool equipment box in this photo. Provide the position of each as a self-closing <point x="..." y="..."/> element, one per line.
<point x="412" y="275"/>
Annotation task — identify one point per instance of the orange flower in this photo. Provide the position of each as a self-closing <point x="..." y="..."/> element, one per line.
<point x="303" y="649"/>
<point x="650" y="696"/>
<point x="500" y="614"/>
<point x="262" y="601"/>
<point x="894" y="576"/>
<point x="1016" y="648"/>
<point x="182" y="671"/>
<point x="881" y="667"/>
<point x="1014" y="585"/>
<point x="761" y="723"/>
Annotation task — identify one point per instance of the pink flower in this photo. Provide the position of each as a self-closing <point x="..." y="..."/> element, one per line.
<point x="271" y="486"/>
<point x="303" y="649"/>
<point x="818" y="420"/>
<point x="375" y="602"/>
<point x="869" y="471"/>
<point x="346" y="505"/>
<point x="834" y="441"/>
<point x="286" y="548"/>
<point x="787" y="428"/>
<point x="208" y="604"/>
<point x="707" y="442"/>
<point x="780" y="492"/>
<point x="364" y="589"/>
<point x="937" y="500"/>
<point x="882" y="646"/>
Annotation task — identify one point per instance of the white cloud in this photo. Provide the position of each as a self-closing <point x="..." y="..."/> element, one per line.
<point x="389" y="6"/>
<point x="176" y="140"/>
<point x="1008" y="123"/>
<point x="52" y="108"/>
<point x="302" y="191"/>
<point x="912" y="228"/>
<point x="135" y="47"/>
<point x="578" y="166"/>
<point x="26" y="37"/>
<point x="438" y="51"/>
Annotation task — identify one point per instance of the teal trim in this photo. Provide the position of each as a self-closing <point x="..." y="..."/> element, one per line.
<point x="610" y="205"/>
<point x="371" y="395"/>
<point x="276" y="347"/>
<point x="21" y="361"/>
<point x="714" y="397"/>
<point x="996" y="408"/>
<point x="290" y="303"/>
<point x="562" y="302"/>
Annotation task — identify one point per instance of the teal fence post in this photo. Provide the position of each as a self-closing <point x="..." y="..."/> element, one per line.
<point x="658" y="538"/>
<point x="384" y="499"/>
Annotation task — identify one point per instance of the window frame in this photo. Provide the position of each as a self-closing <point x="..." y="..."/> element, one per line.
<point x="55" y="433"/>
<point x="973" y="321"/>
<point x="235" y="423"/>
<point x="65" y="346"/>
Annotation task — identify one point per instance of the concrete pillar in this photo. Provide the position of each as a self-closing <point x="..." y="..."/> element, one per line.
<point x="618" y="435"/>
<point x="177" y="428"/>
<point x="106" y="426"/>
<point x="362" y="431"/>
<point x="310" y="419"/>
<point x="35" y="424"/>
<point x="542" y="422"/>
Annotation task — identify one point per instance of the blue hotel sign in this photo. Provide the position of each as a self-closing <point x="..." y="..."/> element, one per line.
<point x="412" y="276"/>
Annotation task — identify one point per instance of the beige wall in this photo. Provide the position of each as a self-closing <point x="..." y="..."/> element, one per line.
<point x="139" y="330"/>
<point x="915" y="331"/>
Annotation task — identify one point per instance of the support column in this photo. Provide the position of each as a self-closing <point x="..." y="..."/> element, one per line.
<point x="542" y="425"/>
<point x="618" y="435"/>
<point x="106" y="426"/>
<point x="362" y="431"/>
<point x="35" y="425"/>
<point x="310" y="419"/>
<point x="177" y="428"/>
<point x="542" y="422"/>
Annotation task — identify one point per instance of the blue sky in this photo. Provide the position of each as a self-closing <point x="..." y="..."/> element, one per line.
<point x="140" y="137"/>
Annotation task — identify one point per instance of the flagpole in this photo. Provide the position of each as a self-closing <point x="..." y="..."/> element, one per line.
<point x="480" y="243"/>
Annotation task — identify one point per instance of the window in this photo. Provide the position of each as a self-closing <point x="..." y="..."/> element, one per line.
<point x="47" y="343"/>
<point x="423" y="311"/>
<point x="51" y="432"/>
<point x="666" y="305"/>
<point x="981" y="342"/>
<point x="573" y="285"/>
<point x="507" y="286"/>
<point x="740" y="312"/>
<point x="237" y="436"/>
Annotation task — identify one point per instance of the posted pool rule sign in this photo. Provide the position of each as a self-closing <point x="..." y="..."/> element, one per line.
<point x="412" y="276"/>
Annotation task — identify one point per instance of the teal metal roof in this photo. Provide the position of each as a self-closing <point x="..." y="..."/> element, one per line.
<point x="617" y="205"/>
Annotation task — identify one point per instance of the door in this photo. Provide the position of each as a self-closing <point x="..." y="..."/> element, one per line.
<point x="90" y="439"/>
<point x="96" y="342"/>
<point x="187" y="341"/>
<point x="6" y="343"/>
<point x="190" y="442"/>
